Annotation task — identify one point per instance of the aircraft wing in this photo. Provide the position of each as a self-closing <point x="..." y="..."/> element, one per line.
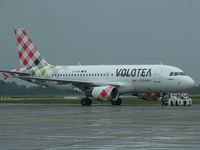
<point x="83" y="85"/>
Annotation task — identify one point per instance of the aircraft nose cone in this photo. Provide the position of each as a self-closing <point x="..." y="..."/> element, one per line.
<point x="190" y="83"/>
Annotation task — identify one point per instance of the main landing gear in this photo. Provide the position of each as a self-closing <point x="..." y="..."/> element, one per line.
<point x="116" y="102"/>
<point x="86" y="102"/>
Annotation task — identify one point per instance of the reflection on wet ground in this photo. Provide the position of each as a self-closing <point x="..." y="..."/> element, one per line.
<point x="59" y="127"/>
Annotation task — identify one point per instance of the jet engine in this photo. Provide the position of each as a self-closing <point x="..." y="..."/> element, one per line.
<point x="105" y="93"/>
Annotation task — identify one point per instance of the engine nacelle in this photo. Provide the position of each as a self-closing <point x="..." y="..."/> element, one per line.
<point x="105" y="93"/>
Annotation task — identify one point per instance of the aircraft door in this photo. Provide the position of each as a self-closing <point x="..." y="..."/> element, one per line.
<point x="157" y="81"/>
<point x="156" y="78"/>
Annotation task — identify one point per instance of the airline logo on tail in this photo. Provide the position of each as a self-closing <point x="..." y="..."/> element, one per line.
<point x="27" y="52"/>
<point x="31" y="62"/>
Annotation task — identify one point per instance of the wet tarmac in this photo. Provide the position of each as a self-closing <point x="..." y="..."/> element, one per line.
<point x="60" y="127"/>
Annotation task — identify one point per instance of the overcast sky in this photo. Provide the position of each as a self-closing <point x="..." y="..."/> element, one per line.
<point x="68" y="32"/>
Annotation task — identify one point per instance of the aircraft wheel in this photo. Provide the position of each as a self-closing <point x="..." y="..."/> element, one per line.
<point x="162" y="103"/>
<point x="89" y="102"/>
<point x="172" y="104"/>
<point x="176" y="103"/>
<point x="86" y="102"/>
<point x="117" y="102"/>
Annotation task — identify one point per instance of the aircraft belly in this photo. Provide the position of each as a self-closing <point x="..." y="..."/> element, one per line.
<point x="67" y="87"/>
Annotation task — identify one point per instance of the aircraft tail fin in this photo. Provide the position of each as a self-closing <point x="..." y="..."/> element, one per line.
<point x="29" y="55"/>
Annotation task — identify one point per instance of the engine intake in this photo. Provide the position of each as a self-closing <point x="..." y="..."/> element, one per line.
<point x="105" y="93"/>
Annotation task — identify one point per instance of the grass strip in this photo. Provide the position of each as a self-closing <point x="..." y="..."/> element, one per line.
<point x="77" y="101"/>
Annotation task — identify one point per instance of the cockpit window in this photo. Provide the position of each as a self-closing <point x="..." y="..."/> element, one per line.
<point x="171" y="74"/>
<point x="176" y="74"/>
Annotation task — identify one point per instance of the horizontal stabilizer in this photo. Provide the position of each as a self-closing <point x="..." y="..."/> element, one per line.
<point x="5" y="76"/>
<point x="14" y="73"/>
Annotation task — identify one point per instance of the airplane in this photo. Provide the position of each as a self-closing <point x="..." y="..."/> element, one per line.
<point x="99" y="82"/>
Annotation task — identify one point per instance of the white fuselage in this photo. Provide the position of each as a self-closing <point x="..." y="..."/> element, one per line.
<point x="129" y="78"/>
